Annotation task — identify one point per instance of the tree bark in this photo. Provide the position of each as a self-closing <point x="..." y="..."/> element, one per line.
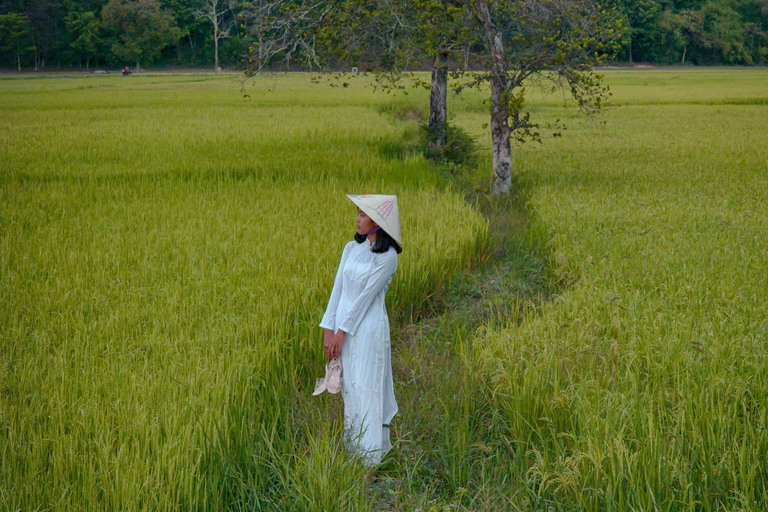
<point x="500" y="89"/>
<point x="502" y="151"/>
<point x="216" y="56"/>
<point x="438" y="106"/>
<point x="215" y="19"/>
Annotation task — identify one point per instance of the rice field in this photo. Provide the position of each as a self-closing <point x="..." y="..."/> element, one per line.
<point x="641" y="384"/>
<point x="167" y="246"/>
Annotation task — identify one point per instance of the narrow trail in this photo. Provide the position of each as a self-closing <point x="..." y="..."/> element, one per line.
<point x="451" y="450"/>
<point x="447" y="425"/>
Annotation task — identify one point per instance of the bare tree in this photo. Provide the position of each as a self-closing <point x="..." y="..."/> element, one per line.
<point x="220" y="14"/>
<point x="285" y="31"/>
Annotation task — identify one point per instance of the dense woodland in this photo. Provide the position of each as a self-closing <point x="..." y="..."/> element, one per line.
<point x="90" y="34"/>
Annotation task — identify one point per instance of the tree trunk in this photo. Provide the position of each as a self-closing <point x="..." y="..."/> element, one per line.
<point x="502" y="151"/>
<point x="500" y="89"/>
<point x="138" y="67"/>
<point x="685" y="48"/>
<point x="215" y="19"/>
<point x="261" y="46"/>
<point x="438" y="106"/>
<point x="216" y="56"/>
<point x="261" y="35"/>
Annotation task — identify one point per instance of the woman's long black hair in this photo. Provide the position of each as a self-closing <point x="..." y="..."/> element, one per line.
<point x="382" y="244"/>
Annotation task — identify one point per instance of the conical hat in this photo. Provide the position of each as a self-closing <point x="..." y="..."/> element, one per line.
<point x="382" y="210"/>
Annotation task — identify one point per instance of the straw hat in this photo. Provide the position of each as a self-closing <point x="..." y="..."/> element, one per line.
<point x="382" y="210"/>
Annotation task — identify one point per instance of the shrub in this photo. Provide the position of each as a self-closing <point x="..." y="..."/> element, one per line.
<point x="460" y="149"/>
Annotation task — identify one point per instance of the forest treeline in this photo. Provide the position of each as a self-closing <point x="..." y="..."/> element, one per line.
<point x="51" y="34"/>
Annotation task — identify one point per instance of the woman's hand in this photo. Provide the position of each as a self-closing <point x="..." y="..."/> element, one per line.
<point x="327" y="341"/>
<point x="333" y="343"/>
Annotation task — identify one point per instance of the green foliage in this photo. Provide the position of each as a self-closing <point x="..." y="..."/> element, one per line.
<point x="725" y="31"/>
<point x="15" y="35"/>
<point x="389" y="36"/>
<point x="86" y="27"/>
<point x="711" y="32"/>
<point x="460" y="149"/>
<point x="143" y="28"/>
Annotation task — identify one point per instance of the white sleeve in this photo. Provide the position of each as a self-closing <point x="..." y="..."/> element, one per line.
<point x="329" y="318"/>
<point x="384" y="269"/>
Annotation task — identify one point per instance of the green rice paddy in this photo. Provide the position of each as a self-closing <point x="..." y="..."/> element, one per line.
<point x="166" y="251"/>
<point x="167" y="247"/>
<point x="642" y="384"/>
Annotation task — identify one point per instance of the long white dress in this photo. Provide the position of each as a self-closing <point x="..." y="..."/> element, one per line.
<point x="357" y="307"/>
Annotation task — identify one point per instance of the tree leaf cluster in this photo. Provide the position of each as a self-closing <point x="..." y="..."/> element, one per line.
<point x="695" y="31"/>
<point x="66" y="33"/>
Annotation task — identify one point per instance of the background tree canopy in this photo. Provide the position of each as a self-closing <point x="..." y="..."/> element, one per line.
<point x="86" y="33"/>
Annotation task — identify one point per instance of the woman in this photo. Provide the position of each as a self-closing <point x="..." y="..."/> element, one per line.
<point x="357" y="327"/>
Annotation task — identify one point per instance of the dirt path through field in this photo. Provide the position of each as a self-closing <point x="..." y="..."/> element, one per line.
<point x="447" y="426"/>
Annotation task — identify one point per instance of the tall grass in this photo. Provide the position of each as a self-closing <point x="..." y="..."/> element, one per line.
<point x="166" y="247"/>
<point x="166" y="250"/>
<point x="642" y="384"/>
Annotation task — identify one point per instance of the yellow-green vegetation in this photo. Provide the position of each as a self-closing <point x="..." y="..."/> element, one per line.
<point x="167" y="248"/>
<point x="642" y="383"/>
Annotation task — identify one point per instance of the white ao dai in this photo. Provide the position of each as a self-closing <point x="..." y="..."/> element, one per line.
<point x="357" y="307"/>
